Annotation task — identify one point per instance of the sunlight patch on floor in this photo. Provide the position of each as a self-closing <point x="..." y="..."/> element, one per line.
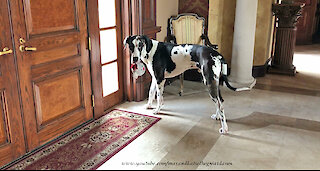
<point x="307" y="63"/>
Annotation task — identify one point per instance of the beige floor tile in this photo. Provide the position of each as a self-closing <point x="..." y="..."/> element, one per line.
<point x="275" y="126"/>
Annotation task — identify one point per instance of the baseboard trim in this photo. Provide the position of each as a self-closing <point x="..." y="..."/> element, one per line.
<point x="261" y="70"/>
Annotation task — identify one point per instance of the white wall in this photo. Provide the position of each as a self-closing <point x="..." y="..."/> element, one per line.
<point x="165" y="9"/>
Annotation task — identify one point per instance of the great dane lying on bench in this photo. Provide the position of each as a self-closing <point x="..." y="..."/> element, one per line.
<point x="166" y="60"/>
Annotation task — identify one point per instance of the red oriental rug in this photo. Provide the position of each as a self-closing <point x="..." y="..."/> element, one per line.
<point x="90" y="146"/>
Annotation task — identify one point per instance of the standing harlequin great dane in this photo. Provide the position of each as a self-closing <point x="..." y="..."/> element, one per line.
<point x="166" y="60"/>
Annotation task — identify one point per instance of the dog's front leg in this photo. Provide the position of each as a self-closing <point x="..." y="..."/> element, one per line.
<point x="152" y="93"/>
<point x="159" y="88"/>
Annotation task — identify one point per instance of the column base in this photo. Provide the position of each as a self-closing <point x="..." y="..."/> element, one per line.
<point x="283" y="71"/>
<point x="243" y="85"/>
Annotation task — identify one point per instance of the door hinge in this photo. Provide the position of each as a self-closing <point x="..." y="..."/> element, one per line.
<point x="89" y="43"/>
<point x="92" y="98"/>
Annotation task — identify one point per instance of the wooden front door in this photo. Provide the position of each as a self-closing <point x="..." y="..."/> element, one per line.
<point x="12" y="143"/>
<point x="53" y="62"/>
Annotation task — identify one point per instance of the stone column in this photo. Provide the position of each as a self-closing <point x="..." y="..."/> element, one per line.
<point x="287" y="15"/>
<point x="243" y="44"/>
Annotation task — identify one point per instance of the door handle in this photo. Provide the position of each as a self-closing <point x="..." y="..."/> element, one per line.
<point x="6" y="51"/>
<point x="23" y="48"/>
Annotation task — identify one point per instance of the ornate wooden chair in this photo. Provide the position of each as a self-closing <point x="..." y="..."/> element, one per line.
<point x="187" y="28"/>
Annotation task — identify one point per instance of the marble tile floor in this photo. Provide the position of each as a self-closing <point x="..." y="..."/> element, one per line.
<point x="274" y="126"/>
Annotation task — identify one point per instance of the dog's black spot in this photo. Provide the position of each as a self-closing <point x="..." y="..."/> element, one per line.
<point x="193" y="54"/>
<point x="220" y="96"/>
<point x="140" y="46"/>
<point x="176" y="52"/>
<point x="162" y="61"/>
<point x="214" y="63"/>
<point x="148" y="42"/>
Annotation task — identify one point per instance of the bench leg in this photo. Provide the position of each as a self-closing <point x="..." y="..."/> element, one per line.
<point x="181" y="84"/>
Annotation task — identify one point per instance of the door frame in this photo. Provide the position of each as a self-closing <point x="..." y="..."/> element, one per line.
<point x="95" y="58"/>
<point x="139" y="17"/>
<point x="132" y="23"/>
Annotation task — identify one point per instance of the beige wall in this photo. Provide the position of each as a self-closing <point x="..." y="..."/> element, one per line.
<point x="220" y="28"/>
<point x="221" y="25"/>
<point x="264" y="30"/>
<point x="165" y="9"/>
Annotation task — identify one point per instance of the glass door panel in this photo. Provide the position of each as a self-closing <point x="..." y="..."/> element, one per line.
<point x="110" y="80"/>
<point x="109" y="49"/>
<point x="108" y="41"/>
<point x="107" y="13"/>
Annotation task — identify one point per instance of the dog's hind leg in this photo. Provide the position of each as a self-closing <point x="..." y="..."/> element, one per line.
<point x="212" y="83"/>
<point x="213" y="89"/>
<point x="159" y="88"/>
<point x="207" y="75"/>
<point x="224" y="127"/>
<point x="152" y="93"/>
<point x="216" y="116"/>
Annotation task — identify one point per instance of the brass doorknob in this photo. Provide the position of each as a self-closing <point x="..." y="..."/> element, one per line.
<point x="6" y="51"/>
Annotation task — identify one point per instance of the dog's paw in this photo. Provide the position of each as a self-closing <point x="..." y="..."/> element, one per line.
<point x="223" y="131"/>
<point x="161" y="105"/>
<point x="215" y="116"/>
<point x="148" y="106"/>
<point x="156" y="111"/>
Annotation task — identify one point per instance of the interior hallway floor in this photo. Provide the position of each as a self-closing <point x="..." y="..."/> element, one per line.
<point x="274" y="126"/>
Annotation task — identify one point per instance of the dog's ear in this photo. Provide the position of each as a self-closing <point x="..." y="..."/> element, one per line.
<point x="126" y="41"/>
<point x="148" y="42"/>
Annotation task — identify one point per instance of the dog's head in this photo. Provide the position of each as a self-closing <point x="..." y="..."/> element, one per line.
<point x="139" y="47"/>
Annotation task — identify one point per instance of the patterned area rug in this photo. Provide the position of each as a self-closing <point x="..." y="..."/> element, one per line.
<point x="90" y="146"/>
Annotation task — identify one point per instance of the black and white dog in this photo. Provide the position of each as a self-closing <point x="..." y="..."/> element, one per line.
<point x="166" y="60"/>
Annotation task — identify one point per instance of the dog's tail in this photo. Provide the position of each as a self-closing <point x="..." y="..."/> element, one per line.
<point x="224" y="78"/>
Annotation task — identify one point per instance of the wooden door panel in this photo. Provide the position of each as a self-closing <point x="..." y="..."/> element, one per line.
<point x="56" y="54"/>
<point x="12" y="144"/>
<point x="57" y="97"/>
<point x="4" y="136"/>
<point x="42" y="71"/>
<point x="50" y="16"/>
<point x="55" y="79"/>
<point x="55" y="40"/>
